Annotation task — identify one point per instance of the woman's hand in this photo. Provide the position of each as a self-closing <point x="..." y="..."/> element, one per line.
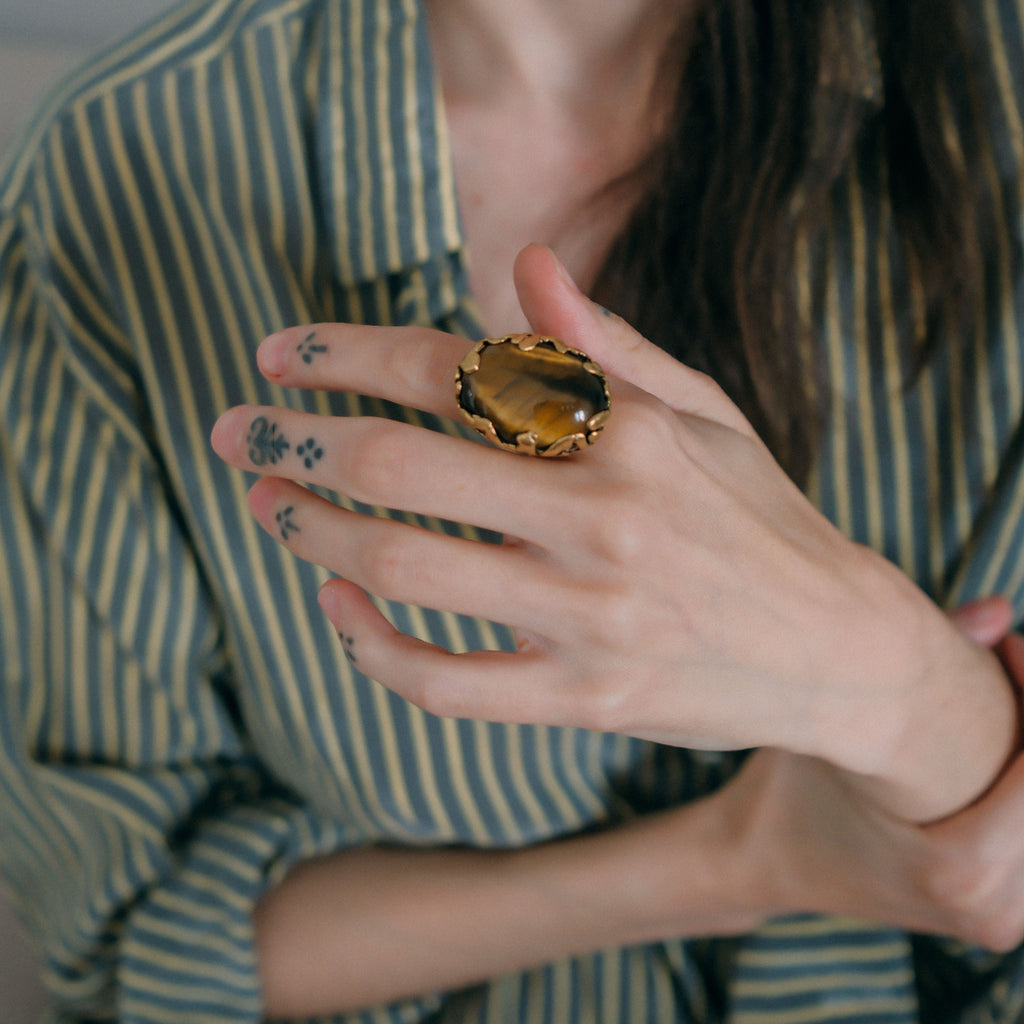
<point x="670" y="582"/>
<point x="828" y="850"/>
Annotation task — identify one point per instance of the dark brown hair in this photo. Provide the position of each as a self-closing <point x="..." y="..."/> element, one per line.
<point x="770" y="113"/>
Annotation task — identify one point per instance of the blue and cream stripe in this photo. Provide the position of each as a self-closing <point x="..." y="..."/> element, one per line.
<point x="179" y="725"/>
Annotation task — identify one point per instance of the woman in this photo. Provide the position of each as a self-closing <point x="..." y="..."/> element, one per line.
<point x="231" y="819"/>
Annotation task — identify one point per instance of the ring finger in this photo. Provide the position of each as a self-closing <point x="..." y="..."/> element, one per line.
<point x="401" y="562"/>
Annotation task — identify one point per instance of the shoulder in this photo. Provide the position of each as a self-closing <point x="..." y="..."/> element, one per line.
<point x="245" y="63"/>
<point x="228" y="39"/>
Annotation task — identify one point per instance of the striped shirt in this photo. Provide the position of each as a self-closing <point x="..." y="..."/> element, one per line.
<point x="179" y="725"/>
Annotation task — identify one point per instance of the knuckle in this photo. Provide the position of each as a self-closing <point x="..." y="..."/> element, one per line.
<point x="441" y="702"/>
<point x="622" y="620"/>
<point x="644" y="423"/>
<point x="618" y="529"/>
<point x="612" y="620"/>
<point x="707" y="398"/>
<point x="948" y="885"/>
<point x="378" y="462"/>
<point x="434" y="693"/>
<point x="935" y="879"/>
<point x="606" y="706"/>
<point x="388" y="563"/>
<point x="432" y="367"/>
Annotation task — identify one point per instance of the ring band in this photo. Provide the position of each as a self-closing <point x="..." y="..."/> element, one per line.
<point x="531" y="394"/>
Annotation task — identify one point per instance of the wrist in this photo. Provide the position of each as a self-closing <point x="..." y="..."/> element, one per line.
<point x="941" y="719"/>
<point x="959" y="732"/>
<point x="773" y="862"/>
<point x="700" y="871"/>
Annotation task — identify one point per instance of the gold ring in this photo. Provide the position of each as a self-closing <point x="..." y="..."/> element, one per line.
<point x="533" y="395"/>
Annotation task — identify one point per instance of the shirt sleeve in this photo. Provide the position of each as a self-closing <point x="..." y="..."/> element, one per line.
<point x="137" y="829"/>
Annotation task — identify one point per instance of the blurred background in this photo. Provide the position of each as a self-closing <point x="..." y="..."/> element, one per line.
<point x="41" y="41"/>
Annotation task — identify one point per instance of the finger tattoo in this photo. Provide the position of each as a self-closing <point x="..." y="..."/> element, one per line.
<point x="349" y="645"/>
<point x="310" y="452"/>
<point x="309" y="350"/>
<point x="268" y="445"/>
<point x="285" y="524"/>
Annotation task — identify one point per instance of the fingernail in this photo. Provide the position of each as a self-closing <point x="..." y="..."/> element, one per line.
<point x="982" y="612"/>
<point x="272" y="355"/>
<point x="328" y="601"/>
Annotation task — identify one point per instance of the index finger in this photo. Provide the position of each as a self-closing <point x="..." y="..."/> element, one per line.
<point x="411" y="366"/>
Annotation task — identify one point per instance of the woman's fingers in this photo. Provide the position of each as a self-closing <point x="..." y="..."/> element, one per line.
<point x="555" y="306"/>
<point x="410" y="366"/>
<point x="985" y="620"/>
<point x="406" y="563"/>
<point x="395" y="465"/>
<point x="522" y="687"/>
<point x="415" y="366"/>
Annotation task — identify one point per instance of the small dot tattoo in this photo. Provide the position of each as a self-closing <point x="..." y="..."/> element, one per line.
<point x="348" y="644"/>
<point x="308" y="350"/>
<point x="285" y="524"/>
<point x="310" y="452"/>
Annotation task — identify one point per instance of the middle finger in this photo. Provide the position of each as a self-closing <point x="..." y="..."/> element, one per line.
<point x="399" y="466"/>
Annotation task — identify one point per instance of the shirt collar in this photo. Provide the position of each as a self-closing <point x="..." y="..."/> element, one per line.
<point x="382" y="151"/>
<point x="383" y="158"/>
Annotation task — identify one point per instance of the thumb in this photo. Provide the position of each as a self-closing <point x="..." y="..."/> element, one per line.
<point x="555" y="306"/>
<point x="986" y="620"/>
<point x="551" y="300"/>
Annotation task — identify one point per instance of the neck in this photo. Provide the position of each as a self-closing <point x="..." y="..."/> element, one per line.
<point x="576" y="54"/>
<point x="551" y="105"/>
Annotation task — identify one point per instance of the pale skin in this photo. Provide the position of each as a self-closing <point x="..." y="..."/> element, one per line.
<point x="679" y="488"/>
<point x="541" y="101"/>
<point x="446" y="918"/>
<point x="711" y="605"/>
<point x="367" y="926"/>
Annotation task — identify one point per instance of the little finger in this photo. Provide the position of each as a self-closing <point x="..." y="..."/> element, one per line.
<point x="524" y="687"/>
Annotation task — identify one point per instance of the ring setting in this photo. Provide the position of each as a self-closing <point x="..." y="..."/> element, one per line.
<point x="532" y="394"/>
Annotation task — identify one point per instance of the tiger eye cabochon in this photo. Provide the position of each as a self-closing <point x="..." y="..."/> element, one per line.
<point x="533" y="395"/>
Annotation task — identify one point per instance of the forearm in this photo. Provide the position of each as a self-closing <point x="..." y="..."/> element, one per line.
<point x="369" y="926"/>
